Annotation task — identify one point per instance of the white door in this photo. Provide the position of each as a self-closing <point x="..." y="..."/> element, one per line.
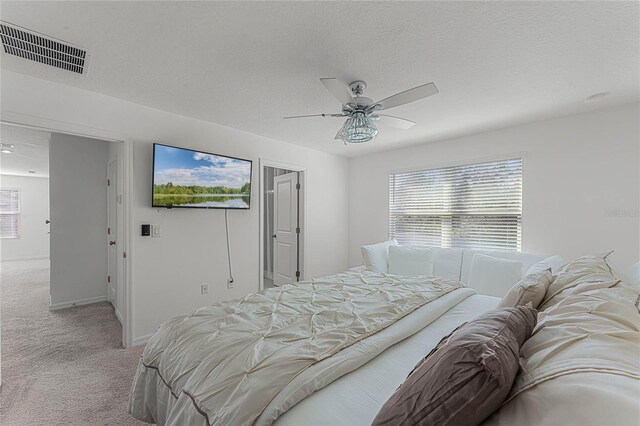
<point x="285" y="226"/>
<point x="112" y="226"/>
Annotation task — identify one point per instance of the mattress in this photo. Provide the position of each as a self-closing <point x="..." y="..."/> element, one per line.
<point x="355" y="398"/>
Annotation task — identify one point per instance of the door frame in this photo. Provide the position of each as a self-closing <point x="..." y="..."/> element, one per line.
<point x="264" y="163"/>
<point x="125" y="174"/>
<point x="110" y="220"/>
<point x="293" y="238"/>
<point x="115" y="232"/>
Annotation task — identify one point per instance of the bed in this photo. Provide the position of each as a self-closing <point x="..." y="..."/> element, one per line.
<point x="248" y="361"/>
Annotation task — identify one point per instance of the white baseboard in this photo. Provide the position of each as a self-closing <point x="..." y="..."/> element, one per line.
<point x="90" y="300"/>
<point x="142" y="340"/>
<point x="14" y="258"/>
<point x="118" y="315"/>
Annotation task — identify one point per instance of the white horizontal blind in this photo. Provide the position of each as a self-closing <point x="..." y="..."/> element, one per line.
<point x="9" y="213"/>
<point x="475" y="206"/>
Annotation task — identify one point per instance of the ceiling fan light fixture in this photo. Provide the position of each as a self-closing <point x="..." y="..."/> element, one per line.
<point x="362" y="112"/>
<point x="358" y="129"/>
<point x="6" y="148"/>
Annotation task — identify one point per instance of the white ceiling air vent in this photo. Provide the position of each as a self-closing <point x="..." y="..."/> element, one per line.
<point x="46" y="50"/>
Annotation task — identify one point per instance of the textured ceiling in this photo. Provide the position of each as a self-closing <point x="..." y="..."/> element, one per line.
<point x="245" y="64"/>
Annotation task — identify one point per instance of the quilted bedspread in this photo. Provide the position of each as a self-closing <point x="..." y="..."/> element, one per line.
<point x="228" y="361"/>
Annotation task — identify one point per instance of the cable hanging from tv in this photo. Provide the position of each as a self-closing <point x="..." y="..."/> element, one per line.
<point x="226" y="224"/>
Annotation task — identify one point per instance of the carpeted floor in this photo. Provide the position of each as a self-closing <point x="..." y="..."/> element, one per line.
<point x="63" y="367"/>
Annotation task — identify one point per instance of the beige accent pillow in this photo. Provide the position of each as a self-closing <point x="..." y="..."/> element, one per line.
<point x="530" y="289"/>
<point x="554" y="262"/>
<point x="583" y="274"/>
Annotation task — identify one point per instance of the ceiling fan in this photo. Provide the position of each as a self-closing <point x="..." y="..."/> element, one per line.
<point x="361" y="112"/>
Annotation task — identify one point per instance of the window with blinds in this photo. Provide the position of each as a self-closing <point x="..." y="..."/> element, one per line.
<point x="476" y="206"/>
<point x="9" y="213"/>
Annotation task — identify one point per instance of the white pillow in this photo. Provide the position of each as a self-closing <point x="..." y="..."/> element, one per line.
<point x="631" y="278"/>
<point x="553" y="262"/>
<point x="493" y="276"/>
<point x="376" y="256"/>
<point x="447" y="263"/>
<point x="531" y="289"/>
<point x="410" y="261"/>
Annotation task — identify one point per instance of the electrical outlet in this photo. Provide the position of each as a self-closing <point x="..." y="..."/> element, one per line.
<point x="230" y="283"/>
<point x="204" y="288"/>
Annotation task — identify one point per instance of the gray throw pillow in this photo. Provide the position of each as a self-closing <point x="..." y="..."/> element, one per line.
<point x="467" y="376"/>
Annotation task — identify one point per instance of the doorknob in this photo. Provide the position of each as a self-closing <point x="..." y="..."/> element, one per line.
<point x="47" y="221"/>
<point x="273" y="236"/>
<point x="111" y="243"/>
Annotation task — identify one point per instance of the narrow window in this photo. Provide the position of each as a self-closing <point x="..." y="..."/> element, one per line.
<point x="9" y="213"/>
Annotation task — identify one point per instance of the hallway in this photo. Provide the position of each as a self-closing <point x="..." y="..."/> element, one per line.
<point x="62" y="367"/>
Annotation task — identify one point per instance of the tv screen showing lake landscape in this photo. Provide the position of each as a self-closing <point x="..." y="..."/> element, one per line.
<point x="186" y="178"/>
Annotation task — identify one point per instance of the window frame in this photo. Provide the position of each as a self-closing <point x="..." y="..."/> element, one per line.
<point x="521" y="156"/>
<point x="16" y="213"/>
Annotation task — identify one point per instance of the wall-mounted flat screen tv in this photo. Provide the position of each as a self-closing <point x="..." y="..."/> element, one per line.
<point x="193" y="179"/>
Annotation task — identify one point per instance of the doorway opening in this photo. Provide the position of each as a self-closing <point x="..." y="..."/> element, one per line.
<point x="282" y="219"/>
<point x="72" y="226"/>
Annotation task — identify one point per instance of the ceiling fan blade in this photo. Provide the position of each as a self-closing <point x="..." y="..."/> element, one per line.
<point x="339" y="90"/>
<point x="410" y="95"/>
<point x="314" y="115"/>
<point x="397" y="122"/>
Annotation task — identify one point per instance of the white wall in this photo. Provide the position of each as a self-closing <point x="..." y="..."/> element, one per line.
<point x="168" y="271"/>
<point x="576" y="171"/>
<point x="78" y="188"/>
<point x="34" y="210"/>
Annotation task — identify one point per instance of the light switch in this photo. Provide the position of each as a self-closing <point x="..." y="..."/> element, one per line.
<point x="156" y="231"/>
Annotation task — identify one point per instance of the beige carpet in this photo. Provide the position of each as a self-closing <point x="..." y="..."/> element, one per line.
<point x="62" y="367"/>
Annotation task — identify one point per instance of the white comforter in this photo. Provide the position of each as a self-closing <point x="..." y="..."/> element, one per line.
<point x="248" y="361"/>
<point x="581" y="366"/>
<point x="584" y="392"/>
<point x="356" y="398"/>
